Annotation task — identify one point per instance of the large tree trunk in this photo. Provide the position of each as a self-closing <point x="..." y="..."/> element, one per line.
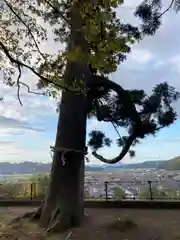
<point x="63" y="206"/>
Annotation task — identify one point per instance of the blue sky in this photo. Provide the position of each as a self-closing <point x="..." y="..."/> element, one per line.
<point x="27" y="132"/>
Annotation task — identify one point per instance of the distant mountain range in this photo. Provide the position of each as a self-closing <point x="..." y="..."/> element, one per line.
<point x="146" y="164"/>
<point x="31" y="167"/>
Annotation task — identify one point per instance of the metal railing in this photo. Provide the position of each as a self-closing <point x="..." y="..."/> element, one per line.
<point x="97" y="190"/>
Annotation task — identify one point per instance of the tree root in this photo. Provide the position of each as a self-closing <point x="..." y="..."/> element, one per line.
<point x="58" y="223"/>
<point x="54" y="222"/>
<point x="35" y="215"/>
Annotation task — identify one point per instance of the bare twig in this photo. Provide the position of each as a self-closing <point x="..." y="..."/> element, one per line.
<point x="167" y="9"/>
<point x="24" y="23"/>
<point x="21" y="83"/>
<point x="116" y="129"/>
<point x="18" y="85"/>
<point x="29" y="91"/>
<point x="28" y="88"/>
<point x="68" y="236"/>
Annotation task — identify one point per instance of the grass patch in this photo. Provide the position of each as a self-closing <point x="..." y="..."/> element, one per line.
<point x="123" y="224"/>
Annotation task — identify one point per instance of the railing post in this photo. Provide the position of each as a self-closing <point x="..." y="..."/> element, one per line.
<point x="150" y="190"/>
<point x="35" y="190"/>
<point x="31" y="195"/>
<point x="106" y="190"/>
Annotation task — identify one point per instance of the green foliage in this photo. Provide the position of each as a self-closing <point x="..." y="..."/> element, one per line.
<point x="158" y="193"/>
<point x="98" y="140"/>
<point x="119" y="193"/>
<point x="151" y="13"/>
<point x="105" y="36"/>
<point x="18" y="22"/>
<point x="86" y="194"/>
<point x="35" y="187"/>
<point x="40" y="178"/>
<point x="173" y="164"/>
<point x="123" y="224"/>
<point x="173" y="194"/>
<point x="41" y="183"/>
<point x="155" y="112"/>
<point x="15" y="190"/>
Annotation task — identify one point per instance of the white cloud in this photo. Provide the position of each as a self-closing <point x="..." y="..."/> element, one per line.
<point x="16" y="124"/>
<point x="33" y="105"/>
<point x="6" y="143"/>
<point x="176" y="61"/>
<point x="131" y="3"/>
<point x="9" y="150"/>
<point x="141" y="56"/>
<point x="20" y="151"/>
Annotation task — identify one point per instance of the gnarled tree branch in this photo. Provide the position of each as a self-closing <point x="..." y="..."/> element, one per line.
<point x="122" y="154"/>
<point x="98" y="81"/>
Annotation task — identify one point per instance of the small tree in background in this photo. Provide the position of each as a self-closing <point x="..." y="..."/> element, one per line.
<point x="41" y="184"/>
<point x="86" y="194"/>
<point x="156" y="193"/>
<point x="119" y="193"/>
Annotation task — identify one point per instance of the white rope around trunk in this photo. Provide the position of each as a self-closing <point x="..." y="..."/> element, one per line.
<point x="54" y="149"/>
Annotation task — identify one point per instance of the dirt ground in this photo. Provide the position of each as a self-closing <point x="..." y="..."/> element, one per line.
<point x="99" y="224"/>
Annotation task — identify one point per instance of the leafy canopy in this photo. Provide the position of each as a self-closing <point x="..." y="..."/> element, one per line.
<point x="151" y="12"/>
<point x="25" y="24"/>
<point x="103" y="41"/>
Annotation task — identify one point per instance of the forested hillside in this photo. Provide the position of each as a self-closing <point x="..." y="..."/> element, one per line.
<point x="35" y="167"/>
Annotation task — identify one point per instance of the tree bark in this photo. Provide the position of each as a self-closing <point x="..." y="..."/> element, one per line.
<point x="63" y="206"/>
